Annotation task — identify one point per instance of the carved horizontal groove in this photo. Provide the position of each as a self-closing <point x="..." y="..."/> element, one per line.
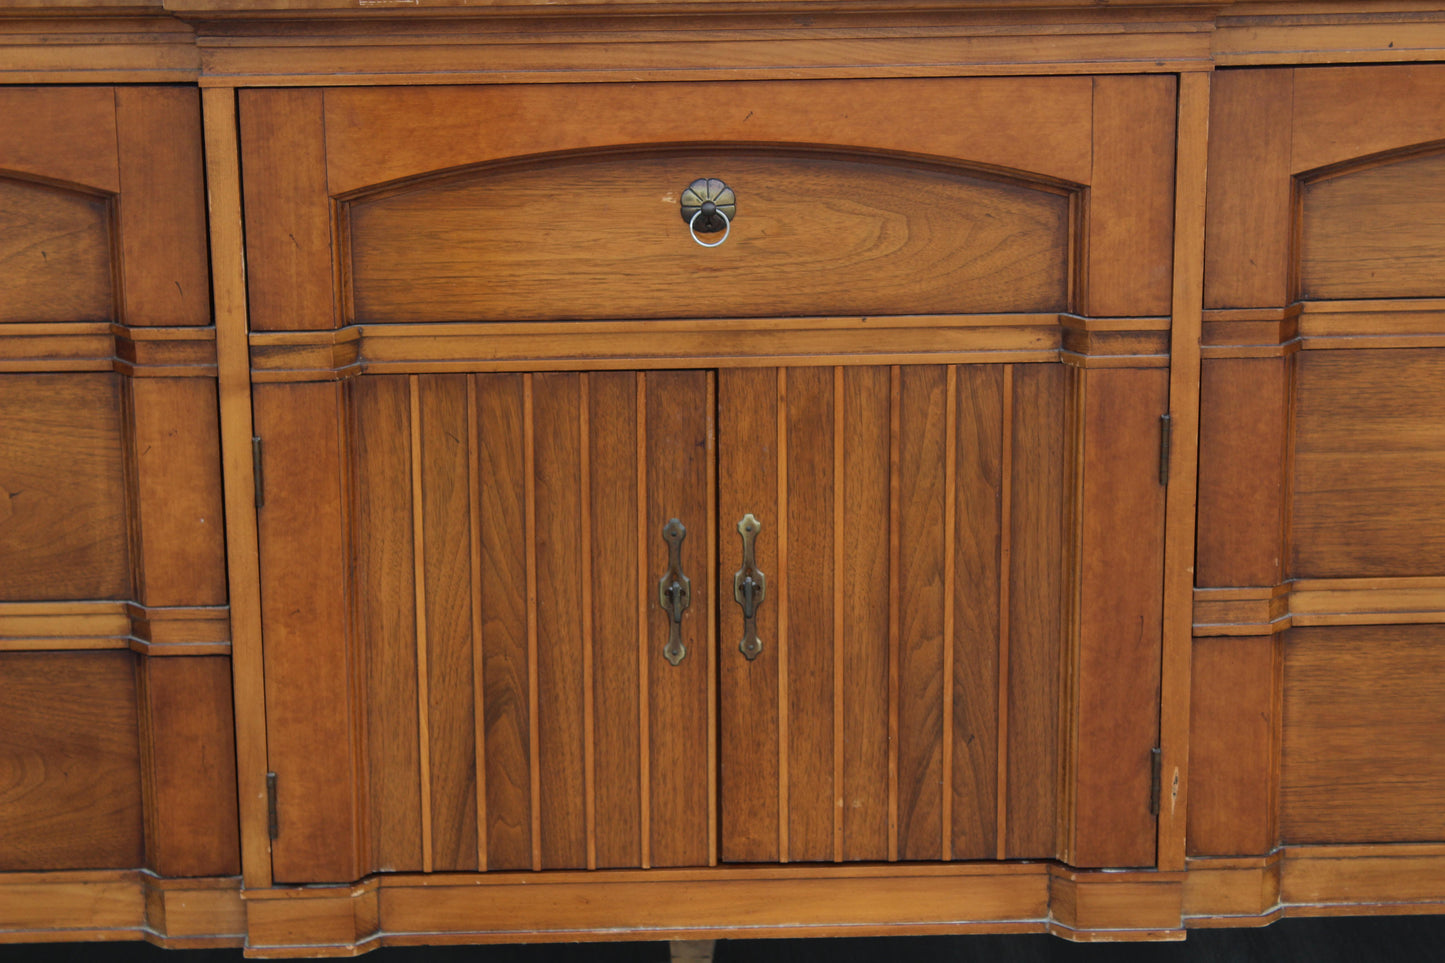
<point x="711" y="44"/>
<point x="122" y="905"/>
<point x="1324" y="325"/>
<point x="138" y="352"/>
<point x="1306" y="602"/>
<point x="630" y="345"/>
<point x="147" y="630"/>
<point x="112" y="50"/>
<point x="1328" y="39"/>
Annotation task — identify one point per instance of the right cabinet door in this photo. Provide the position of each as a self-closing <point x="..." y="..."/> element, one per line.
<point x="1319" y="653"/>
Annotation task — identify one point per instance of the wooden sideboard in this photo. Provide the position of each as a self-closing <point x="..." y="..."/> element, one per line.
<point x="1017" y="510"/>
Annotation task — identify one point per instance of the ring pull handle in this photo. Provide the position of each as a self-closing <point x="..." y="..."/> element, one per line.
<point x="750" y="587"/>
<point x="674" y="590"/>
<point x="709" y="206"/>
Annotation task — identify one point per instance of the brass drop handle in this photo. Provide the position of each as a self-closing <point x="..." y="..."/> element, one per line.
<point x="750" y="587"/>
<point x="674" y="590"/>
<point x="708" y="206"/>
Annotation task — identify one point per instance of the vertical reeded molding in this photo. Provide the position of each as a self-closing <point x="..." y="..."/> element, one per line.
<point x="228" y="275"/>
<point x="529" y="484"/>
<point x="895" y="421"/>
<point x="589" y="722"/>
<point x="644" y="740"/>
<point x="782" y="641"/>
<point x="1005" y="567"/>
<point x="418" y="558"/>
<point x="1190" y="172"/>
<point x="1076" y="382"/>
<point x="712" y="621"/>
<point x="838" y="597"/>
<point x="479" y="716"/>
<point x="950" y="509"/>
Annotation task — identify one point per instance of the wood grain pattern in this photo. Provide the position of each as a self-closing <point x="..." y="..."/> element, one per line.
<point x="679" y="460"/>
<point x="810" y="410"/>
<point x="1362" y="716"/>
<point x="385" y="614"/>
<point x="1024" y="124"/>
<point x="1036" y="587"/>
<point x="748" y="416"/>
<point x="288" y="219"/>
<point x="977" y="632"/>
<point x="1231" y="737"/>
<point x="867" y="603"/>
<point x="61" y="134"/>
<point x="920" y="601"/>
<point x="1243" y="500"/>
<point x="612" y="417"/>
<point x="445" y="501"/>
<point x="453" y="251"/>
<point x="1249" y="218"/>
<point x="1368" y="464"/>
<point x="503" y="576"/>
<point x="190" y="753"/>
<point x="1341" y="113"/>
<point x="63" y="530"/>
<point x="1130" y="214"/>
<point x="1375" y="232"/>
<point x="175" y="465"/>
<point x="162" y="217"/>
<point x="55" y="254"/>
<point x="1120" y="621"/>
<point x="556" y="405"/>
<point x="70" y="751"/>
<point x="312" y="725"/>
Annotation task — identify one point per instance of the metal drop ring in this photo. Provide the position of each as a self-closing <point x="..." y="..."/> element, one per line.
<point x="727" y="228"/>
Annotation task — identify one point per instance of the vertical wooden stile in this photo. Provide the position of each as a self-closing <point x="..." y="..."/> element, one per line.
<point x="1191" y="154"/>
<point x="589" y="760"/>
<point x="895" y="416"/>
<point x="529" y="478"/>
<point x="712" y="621"/>
<point x="838" y="646"/>
<point x="423" y="700"/>
<point x="782" y="582"/>
<point x="479" y="716"/>
<point x="228" y="273"/>
<point x="644" y="754"/>
<point x="1005" y="559"/>
<point x="950" y="508"/>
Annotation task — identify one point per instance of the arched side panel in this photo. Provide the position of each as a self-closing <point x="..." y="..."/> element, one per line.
<point x="597" y="237"/>
<point x="55" y="253"/>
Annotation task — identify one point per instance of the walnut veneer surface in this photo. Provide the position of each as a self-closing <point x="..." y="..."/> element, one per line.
<point x="1079" y="367"/>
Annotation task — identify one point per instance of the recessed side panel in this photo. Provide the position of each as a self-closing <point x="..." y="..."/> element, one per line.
<point x="1364" y="707"/>
<point x="1376" y="232"/>
<point x="63" y="531"/>
<point x="1369" y="456"/>
<point x="55" y="254"/>
<point x="602" y="236"/>
<point x="70" y="768"/>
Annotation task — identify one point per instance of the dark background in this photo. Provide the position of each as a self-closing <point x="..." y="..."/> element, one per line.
<point x="1322" y="940"/>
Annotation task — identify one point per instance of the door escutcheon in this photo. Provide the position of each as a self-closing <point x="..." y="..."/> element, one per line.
<point x="750" y="587"/>
<point x="674" y="590"/>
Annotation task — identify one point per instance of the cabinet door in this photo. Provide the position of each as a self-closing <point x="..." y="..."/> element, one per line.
<point x="935" y="357"/>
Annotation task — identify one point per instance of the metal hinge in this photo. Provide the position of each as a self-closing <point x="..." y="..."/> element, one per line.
<point x="1166" y="434"/>
<point x="1155" y="761"/>
<point x="256" y="470"/>
<point x="273" y="824"/>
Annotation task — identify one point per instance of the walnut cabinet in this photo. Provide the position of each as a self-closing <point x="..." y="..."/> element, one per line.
<point x="1017" y="509"/>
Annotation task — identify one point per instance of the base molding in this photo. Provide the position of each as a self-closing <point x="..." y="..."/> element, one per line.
<point x="1322" y="880"/>
<point x="121" y="905"/>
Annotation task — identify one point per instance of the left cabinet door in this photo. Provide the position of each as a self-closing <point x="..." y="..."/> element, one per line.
<point x="116" y="745"/>
<point x="462" y="630"/>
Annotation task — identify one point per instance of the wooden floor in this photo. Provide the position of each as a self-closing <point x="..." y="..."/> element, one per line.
<point x="1327" y="940"/>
